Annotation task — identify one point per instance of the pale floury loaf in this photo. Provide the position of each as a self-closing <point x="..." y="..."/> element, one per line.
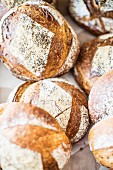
<point x="94" y="15"/>
<point x="101" y="97"/>
<point x="101" y="142"/>
<point x="31" y="139"/>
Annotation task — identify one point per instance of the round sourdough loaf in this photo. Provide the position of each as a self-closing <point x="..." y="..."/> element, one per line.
<point x="37" y="42"/>
<point x="62" y="100"/>
<point x="5" y="5"/>
<point x="101" y="142"/>
<point x="101" y="98"/>
<point x="94" y="15"/>
<point x="31" y="139"/>
<point x="96" y="59"/>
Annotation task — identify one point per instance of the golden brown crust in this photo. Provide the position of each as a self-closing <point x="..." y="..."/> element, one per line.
<point x="101" y="142"/>
<point x="78" y="101"/>
<point x="5" y="5"/>
<point x="83" y="71"/>
<point x="37" y="138"/>
<point x="94" y="16"/>
<point x="60" y="39"/>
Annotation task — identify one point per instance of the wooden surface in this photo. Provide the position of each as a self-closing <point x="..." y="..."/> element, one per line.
<point x="84" y="159"/>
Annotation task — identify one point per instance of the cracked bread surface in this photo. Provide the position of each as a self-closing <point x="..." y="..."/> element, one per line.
<point x="61" y="99"/>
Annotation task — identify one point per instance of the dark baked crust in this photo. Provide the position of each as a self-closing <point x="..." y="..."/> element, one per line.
<point x="78" y="101"/>
<point x="36" y="138"/>
<point x="61" y="47"/>
<point x="83" y="69"/>
<point x="93" y="18"/>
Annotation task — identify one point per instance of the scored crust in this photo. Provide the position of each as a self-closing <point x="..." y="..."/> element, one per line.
<point x="5" y="5"/>
<point x="94" y="15"/>
<point x="62" y="100"/>
<point x="101" y="97"/>
<point x="94" y="61"/>
<point x="52" y="53"/>
<point x="101" y="141"/>
<point x="26" y="129"/>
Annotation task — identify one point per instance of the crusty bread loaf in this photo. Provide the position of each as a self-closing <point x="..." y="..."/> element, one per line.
<point x="5" y="5"/>
<point x="62" y="100"/>
<point x="94" y="15"/>
<point x="101" y="142"/>
<point x="101" y="98"/>
<point x="37" y="42"/>
<point x="96" y="59"/>
<point x="31" y="139"/>
<point x="12" y="3"/>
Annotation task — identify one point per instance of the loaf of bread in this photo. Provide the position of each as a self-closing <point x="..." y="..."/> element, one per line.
<point x="101" y="98"/>
<point x="101" y="142"/>
<point x="31" y="139"/>
<point x="5" y="5"/>
<point x="94" y="15"/>
<point x="61" y="99"/>
<point x="96" y="59"/>
<point x="37" y="42"/>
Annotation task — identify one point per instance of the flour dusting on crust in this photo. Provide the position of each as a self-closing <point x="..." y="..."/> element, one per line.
<point x="105" y="36"/>
<point x="102" y="61"/>
<point x="103" y="141"/>
<point x="31" y="44"/>
<point x="78" y="7"/>
<point x="14" y="157"/>
<point x="107" y="6"/>
<point x="56" y="101"/>
<point x="24" y="119"/>
<point x="108" y="23"/>
<point x="52" y="98"/>
<point x="12" y="3"/>
<point x="60" y="154"/>
<point x="101" y="98"/>
<point x="84" y="123"/>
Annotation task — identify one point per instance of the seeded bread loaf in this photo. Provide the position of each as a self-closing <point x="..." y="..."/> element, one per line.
<point x="94" y="15"/>
<point x="96" y="59"/>
<point x="101" y="142"/>
<point x="62" y="100"/>
<point x="5" y="5"/>
<point x="31" y="139"/>
<point x="37" y="42"/>
<point x="101" y="98"/>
